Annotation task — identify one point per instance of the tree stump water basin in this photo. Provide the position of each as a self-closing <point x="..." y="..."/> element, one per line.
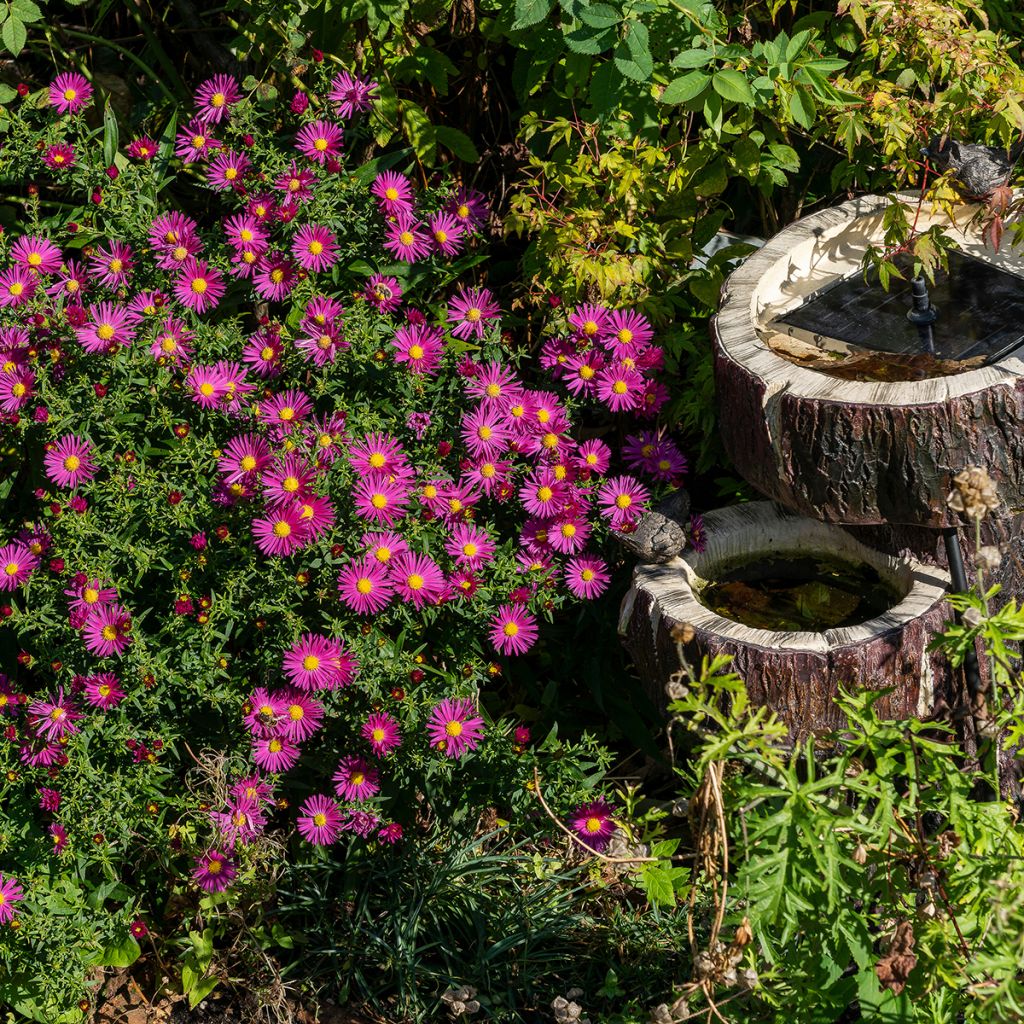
<point x="875" y="616"/>
<point x="868" y="451"/>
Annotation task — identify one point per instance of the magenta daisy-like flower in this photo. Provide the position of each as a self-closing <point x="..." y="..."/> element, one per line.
<point x="274" y="276"/>
<point x="11" y="893"/>
<point x="275" y="753"/>
<point x="296" y="183"/>
<point x="264" y="712"/>
<point x="351" y="94"/>
<point x="315" y="248"/>
<point x="215" y="97"/>
<point x="390" y="833"/>
<point x="281" y="531"/>
<point x="17" y="286"/>
<point x="317" y="514"/>
<point x="454" y="728"/>
<point x="580" y="371"/>
<point x="417" y="579"/>
<point x="49" y="800"/>
<point x="263" y="353"/>
<point x="589" y="322"/>
<point x="365" y="586"/>
<point x="407" y="239"/>
<point x="377" y="453"/>
<point x="103" y="690"/>
<point x="594" y="457"/>
<point x="316" y="662"/>
<point x="319" y="141"/>
<point x="471" y="311"/>
<point x="107" y="330"/>
<point x="244" y="231"/>
<point x="143" y="148"/>
<point x="172" y="342"/>
<point x="469" y="546"/>
<point x="199" y="286"/>
<point x="586" y="577"/>
<point x="620" y="387"/>
<point x="194" y="142"/>
<point x="382" y="732"/>
<point x="69" y="463"/>
<point x="321" y="347"/>
<point x="87" y="594"/>
<point x="242" y="821"/>
<point x="485" y="432"/>
<point x="55" y="718"/>
<point x="301" y="715"/>
<point x="112" y="267"/>
<point x="208" y="386"/>
<point x="285" y="410"/>
<point x="70" y="92"/>
<point x="38" y="254"/>
<point x="288" y="481"/>
<point x="228" y="170"/>
<point x="470" y="207"/>
<point x="214" y="871"/>
<point x="419" y="348"/>
<point x="59" y="156"/>
<point x="253" y="787"/>
<point x="319" y="820"/>
<point x="248" y="453"/>
<point x="593" y="823"/>
<point x="59" y="838"/>
<point x="384" y="293"/>
<point x="16" y="565"/>
<point x="356" y="779"/>
<point x="107" y="630"/>
<point x="393" y="194"/>
<point x="513" y="630"/>
<point x="621" y="500"/>
<point x="446" y="234"/>
<point x="379" y="499"/>
<point x="627" y="332"/>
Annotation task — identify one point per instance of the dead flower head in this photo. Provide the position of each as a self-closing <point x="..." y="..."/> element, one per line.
<point x="461" y="1001"/>
<point x="974" y="493"/>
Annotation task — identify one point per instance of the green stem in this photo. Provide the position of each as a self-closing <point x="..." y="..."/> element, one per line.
<point x="158" y="51"/>
<point x="995" y="705"/>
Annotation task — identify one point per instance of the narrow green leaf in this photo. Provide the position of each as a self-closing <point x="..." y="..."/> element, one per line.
<point x="110" y="134"/>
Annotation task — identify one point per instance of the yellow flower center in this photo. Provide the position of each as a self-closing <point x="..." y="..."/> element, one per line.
<point x="415" y="581"/>
<point x="590" y="327"/>
<point x="587" y="575"/>
<point x="199" y="285"/>
<point x="416" y="352"/>
<point x="116" y="266"/>
<point x="56" y="714"/>
<point x="587" y="371"/>
<point x="248" y="463"/>
<point x="218" y="99"/>
<point x="274" y="746"/>
<point x="104" y="690"/>
<point x="214" y="867"/>
<point x="453" y="728"/>
<point x="487" y="470"/>
<point x="109" y="633"/>
<point x="462" y="211"/>
<point x="378" y="735"/>
<point x="625" y="336"/>
<point x="320" y="145"/>
<point x="11" y="568"/>
<point x="593" y="824"/>
<point x="406" y="238"/>
<point x="316" y="247"/>
<point x="319" y="820"/>
<point x="231" y="173"/>
<point x="167" y="343"/>
<point x="377" y="460"/>
<point x="510" y="629"/>
<point x="105" y="332"/>
<point x="484" y="433"/>
<point x="310" y="662"/>
<point x="282" y="529"/>
<point x="441" y="236"/>
<point x="287" y="413"/>
<point x="18" y="389"/>
<point x="470" y="549"/>
<point x="91" y="595"/>
<point x="473" y="315"/>
<point x="391" y="193"/>
<point x="277" y="275"/>
<point x="15" y="289"/>
<point x="70" y="94"/>
<point x="620" y="387"/>
<point x="71" y="286"/>
<point x="379" y="500"/>
<point x="206" y="388"/>
<point x="544" y="493"/>
<point x="34" y="259"/>
<point x="623" y="501"/>
<point x="383" y="553"/>
<point x="295" y="712"/>
<point x="568" y="530"/>
<point x="266" y="354"/>
<point x="290" y="484"/>
<point x="71" y="463"/>
<point x="294" y="185"/>
<point x="364" y="585"/>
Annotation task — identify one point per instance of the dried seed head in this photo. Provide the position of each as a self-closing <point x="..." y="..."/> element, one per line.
<point x="675" y="690"/>
<point x="682" y="632"/>
<point x="971" y="617"/>
<point x="748" y="978"/>
<point x="744" y="934"/>
<point x="860" y="854"/>
<point x="988" y="558"/>
<point x="974" y="493"/>
<point x="661" y="1014"/>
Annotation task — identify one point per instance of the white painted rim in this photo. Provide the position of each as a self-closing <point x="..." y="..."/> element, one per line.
<point x="815" y="251"/>
<point x="764" y="527"/>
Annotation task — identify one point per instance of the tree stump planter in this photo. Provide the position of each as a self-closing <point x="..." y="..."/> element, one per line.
<point x="795" y="674"/>
<point x="846" y="451"/>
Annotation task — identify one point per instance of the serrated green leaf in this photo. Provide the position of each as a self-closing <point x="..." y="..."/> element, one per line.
<point x="695" y="58"/>
<point x="657" y="883"/>
<point x="458" y="142"/>
<point x="531" y="12"/>
<point x="420" y="132"/>
<point x="13" y="35"/>
<point x="600" y="16"/>
<point x="590" y="41"/>
<point x="732" y="85"/>
<point x="802" y="108"/>
<point x="685" y="88"/>
<point x="633" y="53"/>
<point x="26" y="10"/>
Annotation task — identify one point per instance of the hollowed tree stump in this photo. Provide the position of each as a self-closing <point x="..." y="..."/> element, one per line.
<point x="795" y="674"/>
<point x="846" y="451"/>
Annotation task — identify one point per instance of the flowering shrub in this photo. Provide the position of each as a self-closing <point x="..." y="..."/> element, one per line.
<point x="277" y="492"/>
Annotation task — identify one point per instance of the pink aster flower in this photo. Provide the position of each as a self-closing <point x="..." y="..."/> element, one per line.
<point x="49" y="800"/>
<point x="319" y="141"/>
<point x="470" y="207"/>
<point x="70" y="92"/>
<point x="87" y="594"/>
<point x="365" y="587"/>
<point x="53" y="719"/>
<point x="361" y="823"/>
<point x="379" y="500"/>
<point x="351" y="94"/>
<point x="593" y="823"/>
<point x="11" y="893"/>
<point x="513" y="630"/>
<point x="384" y="547"/>
<point x="301" y="715"/>
<point x="377" y="453"/>
<point x="288" y="481"/>
<point x="390" y="833"/>
<point x="199" y="286"/>
<point x="17" y="286"/>
<point x="107" y="329"/>
<point x="471" y="311"/>
<point x="323" y="312"/>
<point x="107" y="630"/>
<point x="454" y="728"/>
<point x="274" y="276"/>
<point x="417" y="579"/>
<point x="215" y="97"/>
<point x="242" y="821"/>
<point x="316" y="662"/>
<point x="16" y="389"/>
<point x="627" y="332"/>
<point x="296" y="183"/>
<point x="586" y="577"/>
<point x="59" y="838"/>
<point x="542" y="494"/>
<point x="112" y="266"/>
<point x="407" y="239"/>
<point x="319" y="820"/>
<point x="384" y="293"/>
<point x="315" y="248"/>
<point x="393" y="193"/>
<point x="194" y="142"/>
<point x="68" y="462"/>
<point x="208" y="386"/>
<point x="285" y="410"/>
<point x="264" y="713"/>
<point x="356" y="779"/>
<point x="620" y="387"/>
<point x="263" y="353"/>
<point x="321" y="347"/>
<point x="485" y="432"/>
<point x="470" y="546"/>
<point x="488" y="475"/>
<point x="580" y="371"/>
<point x="16" y="565"/>
<point x="254" y="787"/>
<point x="244" y="231"/>
<point x="59" y="156"/>
<point x="569" y="532"/>
<point x="214" y="871"/>
<point x="589" y="322"/>
<point x="382" y="732"/>
<point x="143" y="148"/>
<point x="173" y="342"/>
<point x="38" y="254"/>
<point x="280" y="532"/>
<point x="317" y="514"/>
<point x="103" y="690"/>
<point x="228" y="170"/>
<point x="248" y="453"/>
<point x="275" y="753"/>
<point x="419" y="347"/>
<point x="621" y="500"/>
<point x="594" y="457"/>
<point x="446" y="233"/>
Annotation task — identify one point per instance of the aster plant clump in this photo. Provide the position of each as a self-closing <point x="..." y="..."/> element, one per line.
<point x="278" y="497"/>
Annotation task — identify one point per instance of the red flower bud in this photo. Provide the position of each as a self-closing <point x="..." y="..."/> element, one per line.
<point x="23" y="90"/>
<point x="112" y="172"/>
<point x="174" y="497"/>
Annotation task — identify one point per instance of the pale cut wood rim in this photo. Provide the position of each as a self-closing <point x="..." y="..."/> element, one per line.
<point x="829" y="245"/>
<point x="762" y="527"/>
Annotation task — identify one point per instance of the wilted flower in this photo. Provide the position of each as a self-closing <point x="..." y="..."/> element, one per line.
<point x="974" y="493"/>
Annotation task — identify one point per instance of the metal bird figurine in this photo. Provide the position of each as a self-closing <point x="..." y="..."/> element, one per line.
<point x="978" y="170"/>
<point x="661" y="534"/>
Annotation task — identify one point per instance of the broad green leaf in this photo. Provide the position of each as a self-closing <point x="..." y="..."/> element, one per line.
<point x="530" y="12"/>
<point x="590" y="41"/>
<point x="802" y="108"/>
<point x="14" y="35"/>
<point x="686" y="88"/>
<point x="657" y="883"/>
<point x="26" y="10"/>
<point x="696" y="58"/>
<point x="458" y="142"/>
<point x="633" y="53"/>
<point x="7" y="93"/>
<point x="600" y="16"/>
<point x="420" y="132"/>
<point x="200" y="991"/>
<point x="121" y="954"/>
<point x="732" y="85"/>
